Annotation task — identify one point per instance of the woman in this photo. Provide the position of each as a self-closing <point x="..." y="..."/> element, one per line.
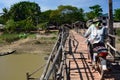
<point x="95" y="35"/>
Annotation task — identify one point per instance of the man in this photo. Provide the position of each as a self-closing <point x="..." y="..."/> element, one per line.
<point x="95" y="35"/>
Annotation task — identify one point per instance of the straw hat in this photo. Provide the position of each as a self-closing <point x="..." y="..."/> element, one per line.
<point x="96" y="20"/>
<point x="89" y="22"/>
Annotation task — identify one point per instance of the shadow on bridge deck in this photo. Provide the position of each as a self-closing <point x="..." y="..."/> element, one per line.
<point x="76" y="59"/>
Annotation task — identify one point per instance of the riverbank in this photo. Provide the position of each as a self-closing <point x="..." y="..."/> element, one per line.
<point x="30" y="54"/>
<point x="37" y="45"/>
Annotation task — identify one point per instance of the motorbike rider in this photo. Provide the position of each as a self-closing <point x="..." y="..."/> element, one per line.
<point x="96" y="35"/>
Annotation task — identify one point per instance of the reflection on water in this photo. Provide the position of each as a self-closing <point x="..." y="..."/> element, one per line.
<point x="15" y="66"/>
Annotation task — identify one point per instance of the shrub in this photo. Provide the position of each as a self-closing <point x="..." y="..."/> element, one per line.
<point x="43" y="26"/>
<point x="10" y="26"/>
<point x="9" y="37"/>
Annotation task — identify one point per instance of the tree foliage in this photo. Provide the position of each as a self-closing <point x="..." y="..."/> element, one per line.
<point x="10" y="26"/>
<point x="5" y="17"/>
<point x="55" y="17"/>
<point x="27" y="15"/>
<point x="22" y="16"/>
<point x="42" y="26"/>
<point x="45" y="16"/>
<point x="66" y="14"/>
<point x="117" y="15"/>
<point x="96" y="11"/>
<point x="23" y="10"/>
<point x="90" y="15"/>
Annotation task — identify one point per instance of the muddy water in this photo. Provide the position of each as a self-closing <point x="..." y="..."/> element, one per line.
<point x="15" y="66"/>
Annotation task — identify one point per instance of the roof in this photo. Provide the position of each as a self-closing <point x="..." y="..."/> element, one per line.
<point x="1" y="26"/>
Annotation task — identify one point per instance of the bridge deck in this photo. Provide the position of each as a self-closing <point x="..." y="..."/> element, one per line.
<point x="76" y="59"/>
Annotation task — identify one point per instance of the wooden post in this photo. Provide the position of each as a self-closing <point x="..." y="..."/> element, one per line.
<point x="27" y="75"/>
<point x="110" y="24"/>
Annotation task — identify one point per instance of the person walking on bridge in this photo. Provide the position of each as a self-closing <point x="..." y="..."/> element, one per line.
<point x="96" y="35"/>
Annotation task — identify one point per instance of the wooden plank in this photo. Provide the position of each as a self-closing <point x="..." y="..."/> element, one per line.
<point x="79" y="68"/>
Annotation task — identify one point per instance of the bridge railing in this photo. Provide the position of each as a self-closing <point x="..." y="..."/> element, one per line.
<point x="113" y="52"/>
<point x="55" y="62"/>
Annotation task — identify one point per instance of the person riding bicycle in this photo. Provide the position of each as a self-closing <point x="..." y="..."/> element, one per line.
<point x="95" y="35"/>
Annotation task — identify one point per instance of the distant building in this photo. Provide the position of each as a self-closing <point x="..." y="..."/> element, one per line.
<point x="116" y="25"/>
<point x="1" y="27"/>
<point x="104" y="19"/>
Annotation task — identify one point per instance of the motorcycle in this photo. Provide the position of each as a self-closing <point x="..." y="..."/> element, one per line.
<point x="99" y="62"/>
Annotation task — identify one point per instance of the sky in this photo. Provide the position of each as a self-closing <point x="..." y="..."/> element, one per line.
<point x="53" y="4"/>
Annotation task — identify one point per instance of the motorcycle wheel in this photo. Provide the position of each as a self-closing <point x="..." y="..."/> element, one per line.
<point x="100" y="70"/>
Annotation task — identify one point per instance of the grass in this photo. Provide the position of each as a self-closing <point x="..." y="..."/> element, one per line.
<point x="6" y="37"/>
<point x="9" y="37"/>
<point x="118" y="32"/>
<point x="32" y="43"/>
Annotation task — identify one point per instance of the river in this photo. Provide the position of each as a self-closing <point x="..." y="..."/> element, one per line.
<point x="15" y="66"/>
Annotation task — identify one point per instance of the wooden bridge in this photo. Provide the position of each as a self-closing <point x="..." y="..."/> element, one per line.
<point x="68" y="59"/>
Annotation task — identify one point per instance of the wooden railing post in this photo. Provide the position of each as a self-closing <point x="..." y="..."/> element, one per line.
<point x="55" y="66"/>
<point x="27" y="76"/>
<point x="110" y="26"/>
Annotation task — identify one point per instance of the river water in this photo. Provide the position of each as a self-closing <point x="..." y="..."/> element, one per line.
<point x="15" y="66"/>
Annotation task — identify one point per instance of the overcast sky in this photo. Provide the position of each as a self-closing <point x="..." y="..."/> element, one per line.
<point x="53" y="4"/>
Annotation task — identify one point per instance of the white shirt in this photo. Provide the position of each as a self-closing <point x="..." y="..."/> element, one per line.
<point x="96" y="35"/>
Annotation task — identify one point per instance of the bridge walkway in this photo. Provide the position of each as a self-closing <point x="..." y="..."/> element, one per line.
<point x="78" y="68"/>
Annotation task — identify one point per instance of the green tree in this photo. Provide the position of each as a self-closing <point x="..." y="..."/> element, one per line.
<point x="10" y="26"/>
<point x="42" y="26"/>
<point x="55" y="17"/>
<point x="23" y="10"/>
<point x="96" y="11"/>
<point x="24" y="25"/>
<point x="90" y="15"/>
<point x="45" y="16"/>
<point x="66" y="14"/>
<point x="117" y="15"/>
<point x="5" y="17"/>
<point x="22" y="16"/>
<point x="29" y="25"/>
<point x="79" y="15"/>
